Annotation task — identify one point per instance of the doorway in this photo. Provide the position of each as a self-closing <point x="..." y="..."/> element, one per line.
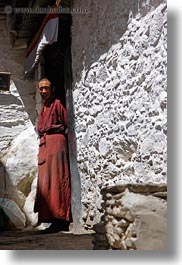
<point x="56" y="66"/>
<point x="54" y="58"/>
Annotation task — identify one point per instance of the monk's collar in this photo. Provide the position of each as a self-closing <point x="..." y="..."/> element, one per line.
<point x="49" y="101"/>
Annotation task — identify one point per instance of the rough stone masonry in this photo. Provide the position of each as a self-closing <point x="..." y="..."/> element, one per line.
<point x="135" y="218"/>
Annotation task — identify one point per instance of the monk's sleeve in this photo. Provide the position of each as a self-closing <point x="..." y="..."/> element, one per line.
<point x="62" y="115"/>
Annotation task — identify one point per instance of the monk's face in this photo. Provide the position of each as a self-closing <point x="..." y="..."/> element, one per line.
<point x="45" y="89"/>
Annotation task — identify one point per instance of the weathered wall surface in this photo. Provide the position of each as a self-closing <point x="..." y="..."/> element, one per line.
<point x="18" y="139"/>
<point x="135" y="218"/>
<point x="102" y="25"/>
<point x="120" y="99"/>
<point x="94" y="32"/>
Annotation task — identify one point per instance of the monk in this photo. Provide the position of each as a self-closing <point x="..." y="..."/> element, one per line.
<point x="53" y="199"/>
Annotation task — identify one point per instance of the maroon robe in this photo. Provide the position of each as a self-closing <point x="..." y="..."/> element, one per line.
<point x="53" y="198"/>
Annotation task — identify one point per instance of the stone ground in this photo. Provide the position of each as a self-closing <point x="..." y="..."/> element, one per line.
<point x="34" y="240"/>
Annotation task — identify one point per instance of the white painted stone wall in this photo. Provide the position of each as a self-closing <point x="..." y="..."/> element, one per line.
<point x="120" y="98"/>
<point x="94" y="32"/>
<point x="18" y="138"/>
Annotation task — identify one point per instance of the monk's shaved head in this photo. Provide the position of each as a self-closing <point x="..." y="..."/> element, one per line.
<point x="44" y="82"/>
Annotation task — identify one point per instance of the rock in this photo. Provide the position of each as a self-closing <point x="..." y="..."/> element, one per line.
<point x="13" y="212"/>
<point x="104" y="147"/>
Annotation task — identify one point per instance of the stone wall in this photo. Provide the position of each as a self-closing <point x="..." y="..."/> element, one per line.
<point x="135" y="218"/>
<point x="120" y="97"/>
<point x="94" y="32"/>
<point x="18" y="138"/>
<point x="98" y="25"/>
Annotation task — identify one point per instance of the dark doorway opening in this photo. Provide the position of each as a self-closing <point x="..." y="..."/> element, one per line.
<point x="55" y="58"/>
<point x="56" y="66"/>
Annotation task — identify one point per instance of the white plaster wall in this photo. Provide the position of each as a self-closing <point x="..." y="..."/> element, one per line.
<point x="120" y="98"/>
<point x="97" y="30"/>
